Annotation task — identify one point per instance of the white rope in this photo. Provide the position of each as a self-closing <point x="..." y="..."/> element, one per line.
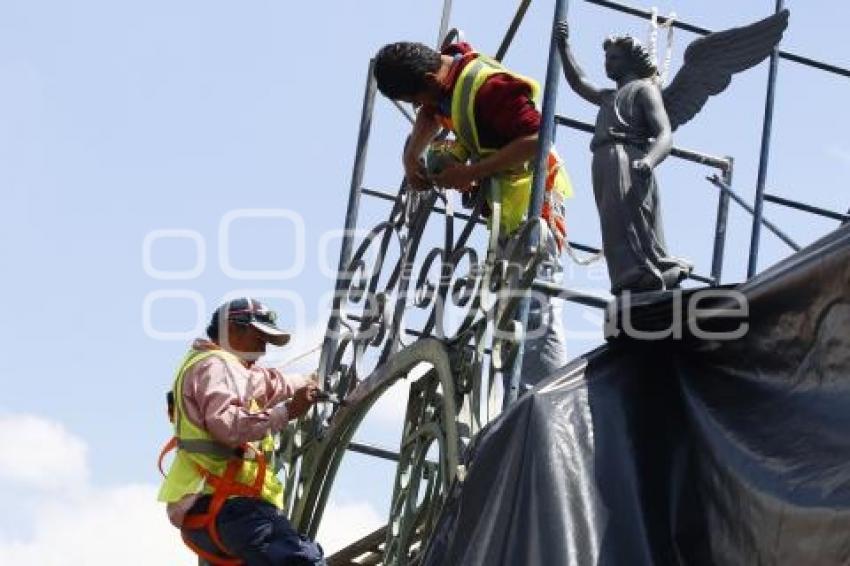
<point x="663" y="68"/>
<point x="579" y="261"/>
<point x="653" y="36"/>
<point x="291" y="361"/>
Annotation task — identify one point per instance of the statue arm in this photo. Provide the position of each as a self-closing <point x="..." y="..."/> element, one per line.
<point x="659" y="126"/>
<point x="576" y="77"/>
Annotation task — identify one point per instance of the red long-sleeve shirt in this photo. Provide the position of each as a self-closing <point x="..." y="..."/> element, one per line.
<point x="504" y="110"/>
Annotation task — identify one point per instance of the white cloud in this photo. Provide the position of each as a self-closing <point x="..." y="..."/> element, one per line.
<point x="344" y="523"/>
<point x="101" y="527"/>
<point x="40" y="454"/>
<point x="74" y="522"/>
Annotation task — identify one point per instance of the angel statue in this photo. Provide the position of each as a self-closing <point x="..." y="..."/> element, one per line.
<point x="634" y="134"/>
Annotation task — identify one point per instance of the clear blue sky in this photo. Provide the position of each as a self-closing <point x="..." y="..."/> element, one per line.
<point x="118" y="119"/>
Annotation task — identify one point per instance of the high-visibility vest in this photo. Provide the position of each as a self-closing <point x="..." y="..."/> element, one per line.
<point x="514" y="185"/>
<point x="196" y="448"/>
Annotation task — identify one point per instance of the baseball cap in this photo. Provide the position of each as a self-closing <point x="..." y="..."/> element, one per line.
<point x="250" y="311"/>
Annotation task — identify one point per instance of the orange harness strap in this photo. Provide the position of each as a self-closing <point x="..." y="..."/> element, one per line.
<point x="169" y="446"/>
<point x="214" y="559"/>
<point x="556" y="220"/>
<point x="224" y="487"/>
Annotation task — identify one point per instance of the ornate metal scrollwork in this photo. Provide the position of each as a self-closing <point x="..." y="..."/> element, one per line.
<point x="456" y="293"/>
<point x="420" y="483"/>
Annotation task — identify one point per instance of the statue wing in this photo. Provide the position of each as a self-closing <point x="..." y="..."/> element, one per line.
<point x="711" y="61"/>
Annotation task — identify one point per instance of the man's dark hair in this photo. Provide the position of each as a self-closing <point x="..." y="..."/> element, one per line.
<point x="400" y="68"/>
<point x="637" y="53"/>
<point x="213" y="329"/>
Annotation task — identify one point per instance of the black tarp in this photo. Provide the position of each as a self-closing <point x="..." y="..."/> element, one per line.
<point x="678" y="451"/>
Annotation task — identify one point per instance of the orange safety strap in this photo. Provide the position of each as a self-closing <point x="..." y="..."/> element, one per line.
<point x="168" y="447"/>
<point x="552" y="166"/>
<point x="555" y="220"/>
<point x="556" y="223"/>
<point x="224" y="487"/>
<point x="213" y="559"/>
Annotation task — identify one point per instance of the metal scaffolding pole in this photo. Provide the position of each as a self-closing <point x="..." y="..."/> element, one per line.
<point x="545" y="142"/>
<point x="343" y="277"/>
<point x="444" y="22"/>
<point x="767" y="129"/>
<point x="806" y="61"/>
<point x="806" y="207"/>
<point x="512" y="29"/>
<point x="720" y="226"/>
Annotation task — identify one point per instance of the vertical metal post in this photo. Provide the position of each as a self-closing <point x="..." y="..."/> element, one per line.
<point x="547" y="118"/>
<point x="546" y="139"/>
<point x="720" y="227"/>
<point x="512" y="29"/>
<point x="758" y="206"/>
<point x="343" y="277"/>
<point x="444" y="22"/>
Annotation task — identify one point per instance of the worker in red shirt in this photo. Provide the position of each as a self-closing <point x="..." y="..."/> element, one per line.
<point x="493" y="116"/>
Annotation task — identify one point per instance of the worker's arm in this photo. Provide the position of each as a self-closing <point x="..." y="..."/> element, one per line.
<point x="270" y="386"/>
<point x="217" y="395"/>
<point x="424" y="130"/>
<point x="516" y="153"/>
<point x="298" y="390"/>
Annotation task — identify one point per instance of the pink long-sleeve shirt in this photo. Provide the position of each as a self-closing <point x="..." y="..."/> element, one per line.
<point x="217" y="394"/>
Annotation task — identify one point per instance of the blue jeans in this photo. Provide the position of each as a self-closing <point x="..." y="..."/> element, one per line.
<point x="546" y="353"/>
<point x="545" y="349"/>
<point x="256" y="532"/>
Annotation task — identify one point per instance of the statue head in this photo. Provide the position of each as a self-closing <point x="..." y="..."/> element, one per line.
<point x="624" y="54"/>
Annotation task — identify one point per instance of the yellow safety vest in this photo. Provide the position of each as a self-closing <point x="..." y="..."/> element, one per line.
<point x="514" y="185"/>
<point x="195" y="447"/>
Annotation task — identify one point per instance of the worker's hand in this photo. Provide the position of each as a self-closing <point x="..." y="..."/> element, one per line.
<point x="414" y="172"/>
<point x="303" y="399"/>
<point x="459" y="177"/>
<point x="642" y="167"/>
<point x="562" y="32"/>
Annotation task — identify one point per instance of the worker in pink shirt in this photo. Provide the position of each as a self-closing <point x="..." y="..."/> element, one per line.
<point x="220" y="490"/>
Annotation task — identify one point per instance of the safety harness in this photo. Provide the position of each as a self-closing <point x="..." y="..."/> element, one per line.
<point x="224" y="487"/>
<point x="220" y="487"/>
<point x="515" y="183"/>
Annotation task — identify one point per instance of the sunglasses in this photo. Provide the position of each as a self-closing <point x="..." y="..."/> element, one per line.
<point x="245" y="317"/>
